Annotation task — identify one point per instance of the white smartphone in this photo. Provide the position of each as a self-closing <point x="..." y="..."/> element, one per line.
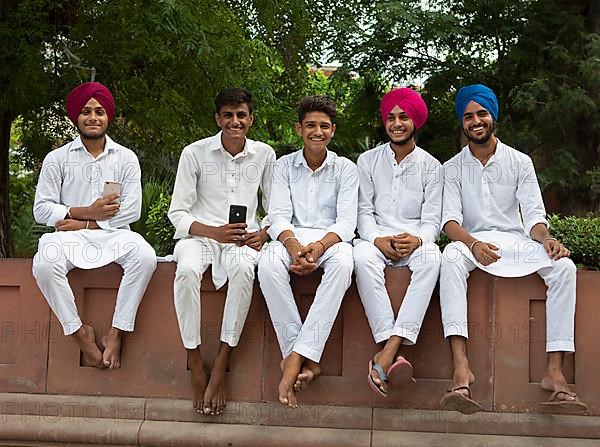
<point x="111" y="188"/>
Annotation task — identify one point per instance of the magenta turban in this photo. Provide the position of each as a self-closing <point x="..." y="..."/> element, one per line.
<point x="80" y="95"/>
<point x="409" y="101"/>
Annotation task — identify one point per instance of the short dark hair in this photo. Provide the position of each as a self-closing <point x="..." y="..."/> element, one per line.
<point x="316" y="103"/>
<point x="233" y="97"/>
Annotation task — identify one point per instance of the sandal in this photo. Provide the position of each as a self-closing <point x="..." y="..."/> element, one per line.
<point x="374" y="366"/>
<point x="457" y="401"/>
<point x="573" y="405"/>
<point x="400" y="373"/>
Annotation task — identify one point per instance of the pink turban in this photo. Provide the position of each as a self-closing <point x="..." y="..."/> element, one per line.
<point x="409" y="101"/>
<point x="80" y="95"/>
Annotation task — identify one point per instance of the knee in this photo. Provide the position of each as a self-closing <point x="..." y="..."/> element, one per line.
<point x="44" y="268"/>
<point x="565" y="268"/>
<point x="271" y="261"/>
<point x="451" y="257"/>
<point x="343" y="264"/>
<point x="187" y="271"/>
<point x="243" y="268"/>
<point x="362" y="255"/>
<point x="146" y="258"/>
<point x="431" y="255"/>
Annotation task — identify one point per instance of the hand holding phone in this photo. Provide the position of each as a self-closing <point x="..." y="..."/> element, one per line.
<point x="111" y="188"/>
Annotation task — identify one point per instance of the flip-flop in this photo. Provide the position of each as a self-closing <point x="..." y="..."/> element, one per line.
<point x="400" y="373"/>
<point x="572" y="405"/>
<point x="382" y="376"/>
<point x="456" y="401"/>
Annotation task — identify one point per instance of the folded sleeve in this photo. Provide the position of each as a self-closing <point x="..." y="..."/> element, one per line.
<point x="184" y="194"/>
<point x="452" y="193"/>
<point x="367" y="225"/>
<point x="347" y="203"/>
<point x="529" y="197"/>
<point x="280" y="203"/>
<point x="47" y="206"/>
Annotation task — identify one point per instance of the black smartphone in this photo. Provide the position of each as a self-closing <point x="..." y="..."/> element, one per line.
<point x="237" y="214"/>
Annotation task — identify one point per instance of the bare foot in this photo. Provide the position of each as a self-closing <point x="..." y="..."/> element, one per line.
<point x="290" y="367"/>
<point x="112" y="349"/>
<point x="90" y="354"/>
<point x="310" y="371"/>
<point x="215" y="396"/>
<point x="463" y="376"/>
<point x="198" y="376"/>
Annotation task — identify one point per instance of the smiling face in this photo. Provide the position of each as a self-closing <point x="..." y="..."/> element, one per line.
<point x="92" y="121"/>
<point x="399" y="127"/>
<point x="234" y="121"/>
<point x="316" y="130"/>
<point x="477" y="123"/>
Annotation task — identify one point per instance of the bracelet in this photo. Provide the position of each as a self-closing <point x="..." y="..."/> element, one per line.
<point x="87" y="224"/>
<point x="549" y="238"/>
<point x="473" y="245"/>
<point x="420" y="241"/>
<point x="322" y="245"/>
<point x="287" y="239"/>
<point x="69" y="212"/>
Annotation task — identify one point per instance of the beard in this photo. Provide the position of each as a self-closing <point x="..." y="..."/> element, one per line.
<point x="92" y="136"/>
<point x="402" y="141"/>
<point x="483" y="139"/>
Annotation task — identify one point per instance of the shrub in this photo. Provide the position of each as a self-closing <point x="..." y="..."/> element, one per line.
<point x="581" y="235"/>
<point x="159" y="230"/>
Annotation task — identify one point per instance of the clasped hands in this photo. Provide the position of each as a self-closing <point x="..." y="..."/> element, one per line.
<point x="397" y="247"/>
<point x="304" y="257"/>
<point x="103" y="208"/>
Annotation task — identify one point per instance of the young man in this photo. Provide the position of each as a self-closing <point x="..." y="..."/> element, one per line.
<point x="92" y="229"/>
<point x="313" y="216"/>
<point x="399" y="212"/>
<point x="493" y="210"/>
<point x="213" y="174"/>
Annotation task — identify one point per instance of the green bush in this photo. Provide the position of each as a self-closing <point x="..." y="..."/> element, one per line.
<point x="159" y="230"/>
<point x="581" y="235"/>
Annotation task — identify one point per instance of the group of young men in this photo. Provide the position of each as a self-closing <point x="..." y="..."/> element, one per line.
<point x="486" y="199"/>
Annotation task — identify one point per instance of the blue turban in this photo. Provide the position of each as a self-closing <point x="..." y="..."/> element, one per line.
<point x="482" y="95"/>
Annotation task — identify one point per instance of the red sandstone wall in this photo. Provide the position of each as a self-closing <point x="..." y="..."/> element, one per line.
<point x="506" y="347"/>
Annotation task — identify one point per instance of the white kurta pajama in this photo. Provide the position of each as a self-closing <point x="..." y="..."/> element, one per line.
<point x="500" y="203"/>
<point x="72" y="177"/>
<point x="209" y="180"/>
<point x="311" y="204"/>
<point x="397" y="198"/>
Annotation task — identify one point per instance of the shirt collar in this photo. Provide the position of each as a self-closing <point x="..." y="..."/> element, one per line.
<point x="391" y="155"/>
<point x="109" y="145"/>
<point x="498" y="156"/>
<point x="215" y="144"/>
<point x="300" y="160"/>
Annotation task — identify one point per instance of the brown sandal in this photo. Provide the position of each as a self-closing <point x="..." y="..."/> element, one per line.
<point x="457" y="401"/>
<point x="573" y="405"/>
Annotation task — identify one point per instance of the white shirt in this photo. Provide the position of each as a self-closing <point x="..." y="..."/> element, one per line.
<point x="209" y="180"/>
<point x="72" y="177"/>
<point x="324" y="199"/>
<point x="504" y="195"/>
<point x="399" y="197"/>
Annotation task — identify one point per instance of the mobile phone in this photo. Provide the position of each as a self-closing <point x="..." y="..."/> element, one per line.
<point x="111" y="188"/>
<point x="237" y="214"/>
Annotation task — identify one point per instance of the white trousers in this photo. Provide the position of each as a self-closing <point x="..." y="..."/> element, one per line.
<point x="560" y="278"/>
<point x="194" y="256"/>
<point x="369" y="266"/>
<point x="307" y="339"/>
<point x="50" y="272"/>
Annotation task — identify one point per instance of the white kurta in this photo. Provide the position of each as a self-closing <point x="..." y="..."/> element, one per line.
<point x="396" y="198"/>
<point x="209" y="180"/>
<point x="72" y="177"/>
<point x="500" y="203"/>
<point x="311" y="204"/>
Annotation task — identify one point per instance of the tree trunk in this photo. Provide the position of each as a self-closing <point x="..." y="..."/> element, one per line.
<point x="5" y="225"/>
